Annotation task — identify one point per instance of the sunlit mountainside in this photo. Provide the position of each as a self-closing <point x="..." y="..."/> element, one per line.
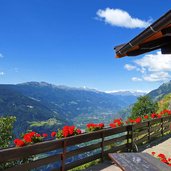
<point x="160" y="92"/>
<point x="40" y="105"/>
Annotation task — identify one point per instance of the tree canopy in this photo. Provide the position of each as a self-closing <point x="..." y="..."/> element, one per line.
<point x="143" y="106"/>
<point x="6" y="128"/>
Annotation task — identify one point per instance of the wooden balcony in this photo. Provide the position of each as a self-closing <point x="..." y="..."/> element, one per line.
<point x="68" y="153"/>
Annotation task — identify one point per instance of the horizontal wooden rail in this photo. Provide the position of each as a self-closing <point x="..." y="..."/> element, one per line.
<point x="147" y="131"/>
<point x="65" y="153"/>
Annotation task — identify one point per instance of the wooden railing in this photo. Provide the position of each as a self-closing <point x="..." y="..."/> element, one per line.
<point x="68" y="153"/>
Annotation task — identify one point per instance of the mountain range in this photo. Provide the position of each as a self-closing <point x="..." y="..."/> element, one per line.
<point x="42" y="106"/>
<point x="45" y="107"/>
<point x="128" y="93"/>
<point x="160" y="92"/>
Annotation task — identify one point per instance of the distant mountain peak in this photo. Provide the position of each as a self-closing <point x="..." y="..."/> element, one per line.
<point x="39" y="84"/>
<point x="63" y="87"/>
<point x="128" y="92"/>
<point x="35" y="83"/>
<point x="84" y="88"/>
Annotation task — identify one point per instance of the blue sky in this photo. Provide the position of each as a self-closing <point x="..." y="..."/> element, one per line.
<point x="70" y="42"/>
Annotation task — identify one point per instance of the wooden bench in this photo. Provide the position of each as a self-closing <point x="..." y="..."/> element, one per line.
<point x="138" y="162"/>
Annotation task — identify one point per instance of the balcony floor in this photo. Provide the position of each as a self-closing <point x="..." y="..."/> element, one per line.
<point x="162" y="145"/>
<point x="105" y="166"/>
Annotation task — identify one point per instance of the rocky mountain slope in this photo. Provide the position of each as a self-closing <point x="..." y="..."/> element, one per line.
<point x="42" y="105"/>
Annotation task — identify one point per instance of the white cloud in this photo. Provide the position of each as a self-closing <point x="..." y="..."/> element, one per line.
<point x="142" y="70"/>
<point x="157" y="76"/>
<point x="152" y="67"/>
<point x="1" y="56"/>
<point x="136" y="79"/>
<point x="121" y="18"/>
<point x="155" y="62"/>
<point x="129" y="67"/>
<point x="2" y="73"/>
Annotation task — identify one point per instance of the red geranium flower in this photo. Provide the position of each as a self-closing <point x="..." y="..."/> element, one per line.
<point x="31" y="133"/>
<point x="145" y="116"/>
<point x="112" y="125"/>
<point x="27" y="138"/>
<point x="19" y="143"/>
<point x="153" y="153"/>
<point x="118" y="122"/>
<point x="71" y="130"/>
<point x="16" y="140"/>
<point x="38" y="135"/>
<point x="65" y="133"/>
<point x="138" y="120"/>
<point x="131" y="121"/>
<point x="158" y="116"/>
<point x="79" y="131"/>
<point x="101" y="125"/>
<point x="164" y="160"/>
<point x="45" y="135"/>
<point x="89" y="125"/>
<point x="162" y="156"/>
<point x="153" y="115"/>
<point x="94" y="127"/>
<point x="53" y="134"/>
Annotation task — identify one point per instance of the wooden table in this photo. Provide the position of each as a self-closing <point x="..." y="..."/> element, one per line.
<point x="138" y="162"/>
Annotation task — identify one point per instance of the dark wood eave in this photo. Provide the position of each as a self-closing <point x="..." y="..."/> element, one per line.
<point x="156" y="36"/>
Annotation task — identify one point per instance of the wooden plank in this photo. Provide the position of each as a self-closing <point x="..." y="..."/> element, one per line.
<point x="137" y="162"/>
<point x="112" y="131"/>
<point x="162" y="127"/>
<point x="156" y="134"/>
<point x="156" y="162"/>
<point x="56" y="169"/>
<point x="114" y="140"/>
<point x="155" y="121"/>
<point x="117" y="148"/>
<point x="167" y="118"/>
<point x="102" y="147"/>
<point x="63" y="155"/>
<point x="82" y="161"/>
<point x="19" y="153"/>
<point x="166" y="130"/>
<point x="11" y="154"/>
<point x="155" y="129"/>
<point x="94" y="135"/>
<point x="83" y="150"/>
<point x="166" y="124"/>
<point x="84" y="138"/>
<point x="36" y="163"/>
<point x="140" y="125"/>
<point x="149" y="130"/>
<point x="141" y="133"/>
<point x="141" y="140"/>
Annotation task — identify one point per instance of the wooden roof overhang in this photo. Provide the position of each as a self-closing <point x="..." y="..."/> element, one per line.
<point x="156" y="36"/>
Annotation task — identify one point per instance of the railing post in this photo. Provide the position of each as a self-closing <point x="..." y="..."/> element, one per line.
<point x="102" y="146"/>
<point x="129" y="136"/>
<point x="149" y="131"/>
<point x="132" y="137"/>
<point x="162" y="127"/>
<point x="63" y="156"/>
